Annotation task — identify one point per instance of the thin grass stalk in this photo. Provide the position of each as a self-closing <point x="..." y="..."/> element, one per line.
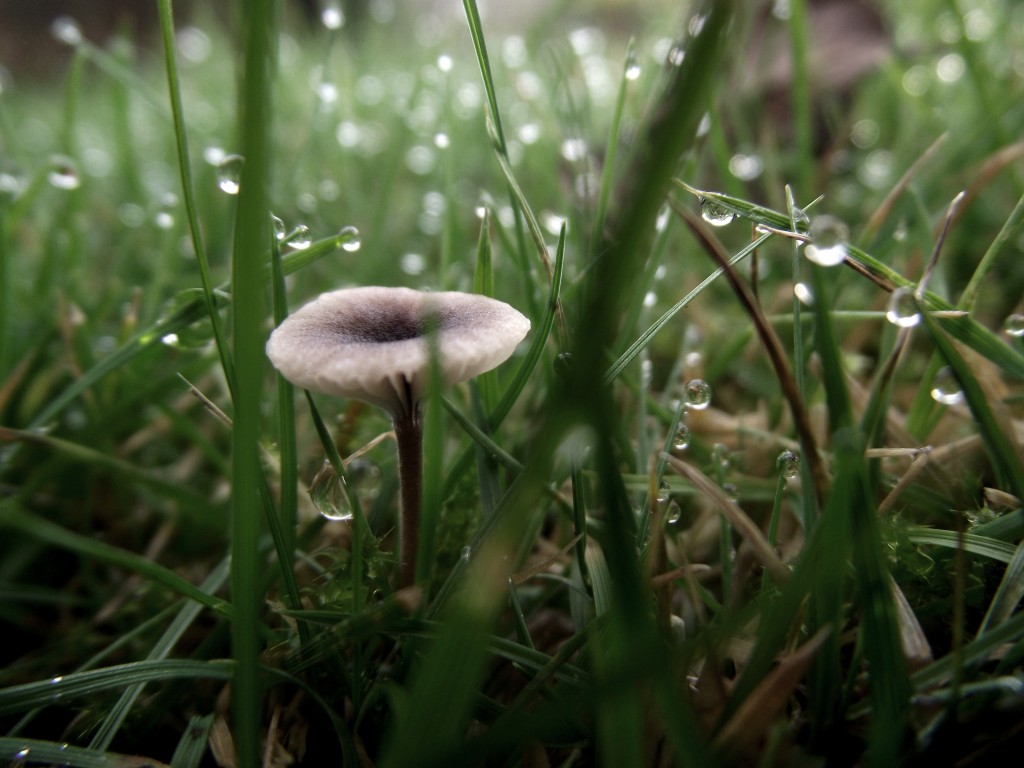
<point x="288" y="452"/>
<point x="252" y="233"/>
<point x="612" y="147"/>
<point x="801" y="97"/>
<point x="188" y="190"/>
<point x="1009" y="231"/>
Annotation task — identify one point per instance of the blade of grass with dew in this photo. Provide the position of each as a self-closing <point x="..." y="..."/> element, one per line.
<point x="118" y="713"/>
<point x="18" y="698"/>
<point x="11" y="515"/>
<point x="964" y="328"/>
<point x="195" y="507"/>
<point x="39" y="752"/>
<point x="252" y="233"/>
<point x="644" y="339"/>
<point x="1002" y="452"/>
<point x="188" y="190"/>
<point x="632" y="637"/>
<point x="181" y="318"/>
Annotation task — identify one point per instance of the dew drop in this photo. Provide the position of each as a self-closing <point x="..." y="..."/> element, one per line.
<point x="945" y="389"/>
<point x="698" y="394"/>
<point x="676" y="55"/>
<point x="350" y="239"/>
<point x="804" y="294"/>
<point x="327" y="492"/>
<point x="56" y="680"/>
<point x="664" y="492"/>
<point x="229" y="173"/>
<point x="681" y="439"/>
<point x="1014" y="325"/>
<point x="633" y="68"/>
<point x="300" y="238"/>
<point x="164" y="220"/>
<point x="22" y="754"/>
<point x="466" y="553"/>
<point x="673" y="514"/>
<point x="902" y="309"/>
<point x="788" y="464"/>
<point x="332" y="17"/>
<point x="714" y="214"/>
<point x="574" y="149"/>
<point x="170" y="339"/>
<point x="563" y="363"/>
<point x="66" y="30"/>
<point x="64" y="174"/>
<point x="732" y="491"/>
<point x="442" y="141"/>
<point x="279" y="229"/>
<point x="722" y="456"/>
<point x="829" y="236"/>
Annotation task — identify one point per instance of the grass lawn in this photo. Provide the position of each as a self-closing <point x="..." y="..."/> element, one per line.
<point x="748" y="493"/>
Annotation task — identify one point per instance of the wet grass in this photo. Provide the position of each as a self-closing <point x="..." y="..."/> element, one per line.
<point x="699" y="517"/>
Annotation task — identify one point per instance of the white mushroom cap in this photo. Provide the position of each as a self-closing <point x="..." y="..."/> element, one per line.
<point x="371" y="343"/>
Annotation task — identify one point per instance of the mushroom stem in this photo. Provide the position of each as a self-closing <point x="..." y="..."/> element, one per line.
<point x="409" y="436"/>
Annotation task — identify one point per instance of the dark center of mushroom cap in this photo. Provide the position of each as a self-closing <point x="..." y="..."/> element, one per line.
<point x="385" y="327"/>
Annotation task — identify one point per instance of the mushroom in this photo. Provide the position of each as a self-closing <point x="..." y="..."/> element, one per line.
<point x="374" y="344"/>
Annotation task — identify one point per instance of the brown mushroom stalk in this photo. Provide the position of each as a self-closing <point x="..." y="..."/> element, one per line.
<point x="372" y="344"/>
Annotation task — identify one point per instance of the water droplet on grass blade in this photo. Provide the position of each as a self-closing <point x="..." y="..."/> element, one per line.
<point x="945" y="389"/>
<point x="681" y="439"/>
<point x="64" y="174"/>
<point x="664" y="492"/>
<point x="804" y="294"/>
<point x="632" y="71"/>
<point x="66" y="30"/>
<point x="715" y="214"/>
<point x="673" y="514"/>
<point x="350" y="239"/>
<point x="902" y="309"/>
<point x="698" y="394"/>
<point x="229" y="173"/>
<point x="332" y="17"/>
<point x="328" y="494"/>
<point x="1014" y="325"/>
<point x="300" y="238"/>
<point x="828" y="241"/>
<point x="278" y="226"/>
<point x="676" y="55"/>
<point x="788" y="464"/>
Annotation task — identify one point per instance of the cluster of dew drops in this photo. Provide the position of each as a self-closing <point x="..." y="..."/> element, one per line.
<point x="300" y="237"/>
<point x="827" y="247"/>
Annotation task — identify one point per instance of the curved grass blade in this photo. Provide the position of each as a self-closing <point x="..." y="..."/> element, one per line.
<point x="18" y="698"/>
<point x="85" y="546"/>
<point x="1002" y="452"/>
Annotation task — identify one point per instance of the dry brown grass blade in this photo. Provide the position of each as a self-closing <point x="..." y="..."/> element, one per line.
<point x="762" y="550"/>
<point x="773" y="348"/>
<point x="915" y="645"/>
<point x="749" y="724"/>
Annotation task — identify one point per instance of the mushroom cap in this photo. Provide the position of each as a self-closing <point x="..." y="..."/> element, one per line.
<point x="372" y="343"/>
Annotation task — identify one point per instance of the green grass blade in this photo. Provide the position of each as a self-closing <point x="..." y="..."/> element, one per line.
<point x="116" y="716"/>
<point x="1002" y="452"/>
<point x="87" y="547"/>
<point x="188" y="190"/>
<point x="18" y="698"/>
<point x="193" y="743"/>
<point x="252" y="233"/>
